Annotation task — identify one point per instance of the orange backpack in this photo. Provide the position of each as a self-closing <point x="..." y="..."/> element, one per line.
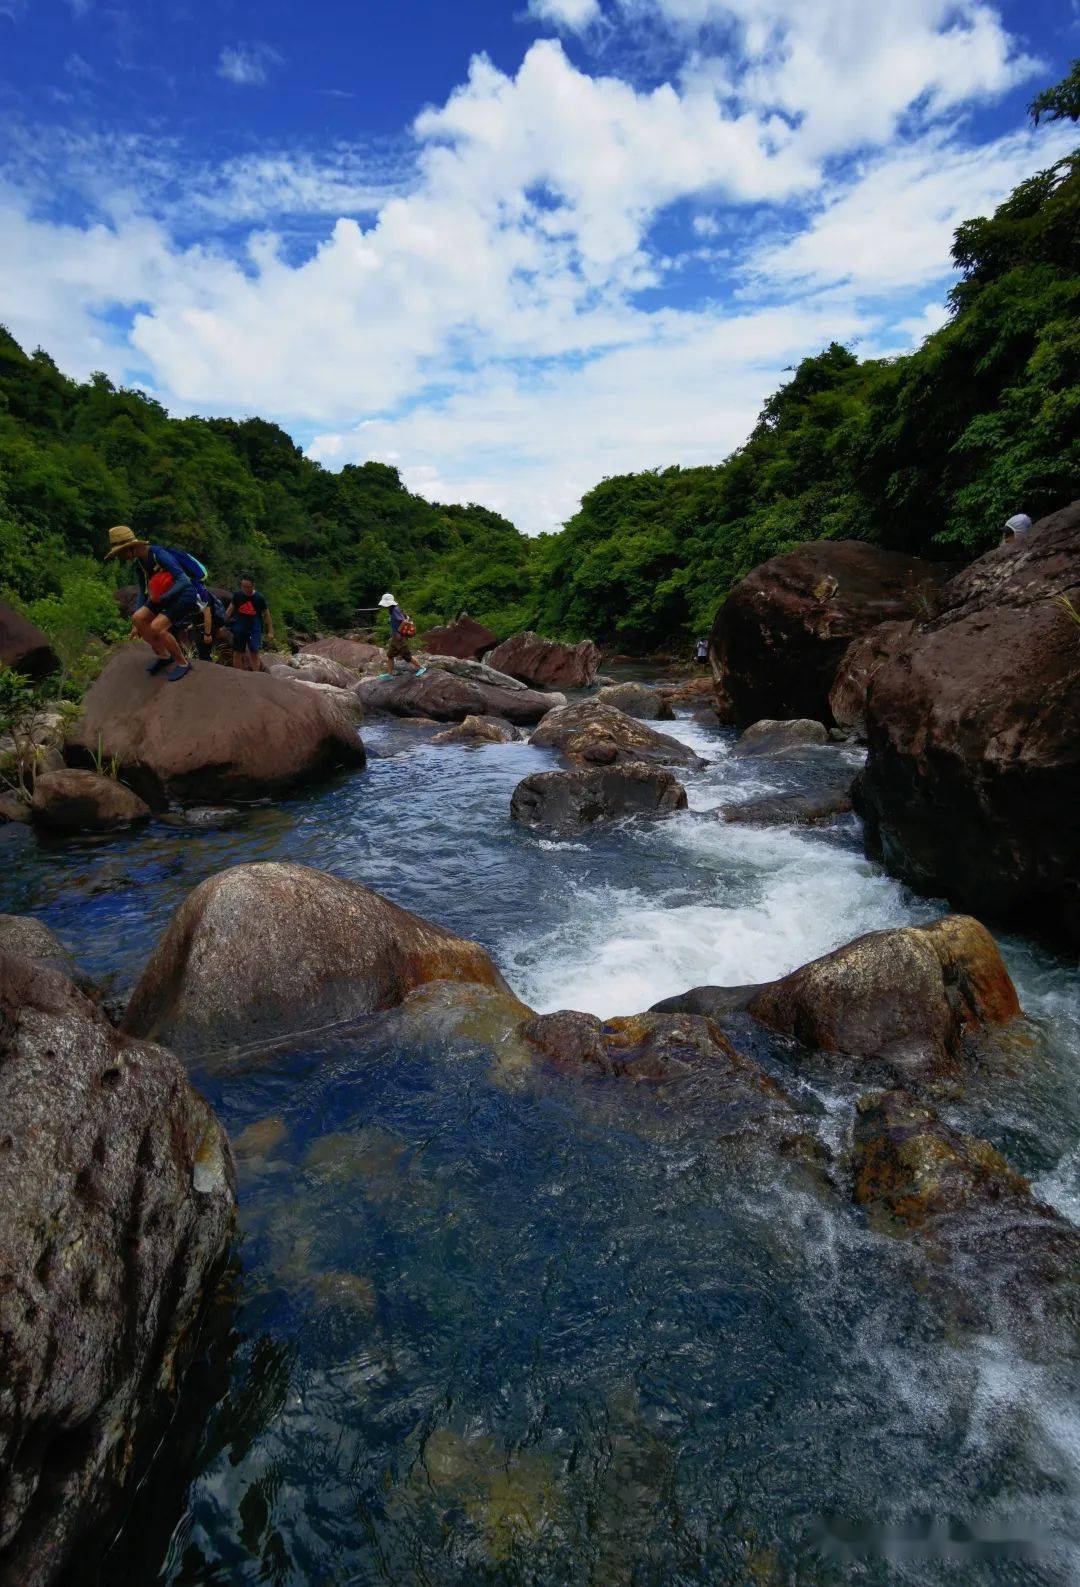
<point x="407" y="628"/>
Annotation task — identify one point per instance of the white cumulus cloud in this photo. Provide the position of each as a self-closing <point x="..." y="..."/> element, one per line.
<point x="571" y="16"/>
<point x="247" y="65"/>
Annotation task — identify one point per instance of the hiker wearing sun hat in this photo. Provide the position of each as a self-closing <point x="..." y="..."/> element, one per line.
<point x="1015" y="528"/>
<point x="402" y="629"/>
<point x="168" y="595"/>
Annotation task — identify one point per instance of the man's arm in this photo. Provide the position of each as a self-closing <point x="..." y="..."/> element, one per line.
<point x="168" y="562"/>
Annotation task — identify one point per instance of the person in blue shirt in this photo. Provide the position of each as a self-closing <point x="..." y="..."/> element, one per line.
<point x="398" y="648"/>
<point x="167" y="598"/>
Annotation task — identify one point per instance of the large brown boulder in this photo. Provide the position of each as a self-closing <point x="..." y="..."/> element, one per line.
<point x="217" y="734"/>
<point x="24" y="647"/>
<point x="477" y="730"/>
<point x="908" y="997"/>
<point x="70" y="800"/>
<point x="445" y="697"/>
<point x="637" y="699"/>
<point x="308" y="668"/>
<point x="262" y="949"/>
<point x="781" y="635"/>
<point x="862" y="661"/>
<point x="118" y="1199"/>
<point x="590" y="733"/>
<point x="356" y="654"/>
<point x="465" y="639"/>
<point x="972" y="783"/>
<point x="780" y="738"/>
<point x="545" y="663"/>
<point x="566" y="801"/>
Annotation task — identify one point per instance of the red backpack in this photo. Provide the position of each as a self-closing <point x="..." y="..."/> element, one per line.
<point x="407" y="628"/>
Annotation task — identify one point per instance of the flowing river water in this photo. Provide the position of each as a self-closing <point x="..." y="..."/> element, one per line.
<point x="554" y="1333"/>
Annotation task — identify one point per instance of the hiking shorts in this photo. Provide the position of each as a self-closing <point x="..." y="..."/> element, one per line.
<point x="247" y="635"/>
<point x="398" y="649"/>
<point x="181" y="608"/>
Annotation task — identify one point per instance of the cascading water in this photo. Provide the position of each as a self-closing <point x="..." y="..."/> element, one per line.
<point x="533" y="1331"/>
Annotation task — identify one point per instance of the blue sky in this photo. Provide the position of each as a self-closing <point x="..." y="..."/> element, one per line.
<point x="509" y="247"/>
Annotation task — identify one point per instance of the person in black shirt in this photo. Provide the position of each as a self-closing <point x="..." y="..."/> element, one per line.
<point x="247" y="612"/>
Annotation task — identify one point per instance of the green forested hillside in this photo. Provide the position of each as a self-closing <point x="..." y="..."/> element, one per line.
<point x="928" y="452"/>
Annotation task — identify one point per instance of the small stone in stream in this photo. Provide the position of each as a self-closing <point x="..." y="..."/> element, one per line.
<point x="479" y="730"/>
<point x="13" y="809"/>
<point x="791" y="810"/>
<point x="258" y="951"/>
<point x="591" y="733"/>
<point x="71" y="801"/>
<point x="261" y="1137"/>
<point x="569" y="800"/>
<point x="637" y="699"/>
<point x="346" y="1289"/>
<point x="776" y="738"/>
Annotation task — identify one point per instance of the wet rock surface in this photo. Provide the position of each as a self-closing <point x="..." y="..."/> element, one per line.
<point x="545" y="663"/>
<point x="567" y="801"/>
<point x="444" y="697"/>
<point x="769" y="737"/>
<point x="117" y="1188"/>
<point x="816" y="809"/>
<point x="216" y="734"/>
<point x="972" y="781"/>
<point x="637" y="699"/>
<point x="24" y="647"/>
<point x="479" y="730"/>
<point x="70" y="801"/>
<point x="262" y="949"/>
<point x="591" y="733"/>
<point x="781" y="635"/>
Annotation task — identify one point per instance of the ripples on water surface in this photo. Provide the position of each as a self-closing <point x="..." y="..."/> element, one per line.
<point x="546" y="1332"/>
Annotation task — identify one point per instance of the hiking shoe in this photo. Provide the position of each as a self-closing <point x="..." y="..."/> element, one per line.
<point x="176" y="672"/>
<point x="156" y="666"/>
<point x="419" y="673"/>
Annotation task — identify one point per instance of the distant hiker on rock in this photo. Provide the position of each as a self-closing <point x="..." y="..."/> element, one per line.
<point x="213" y="627"/>
<point x="701" y="652"/>
<point x="402" y="629"/>
<point x="1015" y="528"/>
<point x="246" y="614"/>
<point x="169" y="582"/>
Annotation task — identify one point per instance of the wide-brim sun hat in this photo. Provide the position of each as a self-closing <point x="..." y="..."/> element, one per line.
<point x="1019" y="523"/>
<point x="388" y="600"/>
<point x="122" y="538"/>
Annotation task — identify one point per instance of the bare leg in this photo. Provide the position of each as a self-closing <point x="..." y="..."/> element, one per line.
<point x="143" y="622"/>
<point x="238" y="659"/>
<point x="161" y="629"/>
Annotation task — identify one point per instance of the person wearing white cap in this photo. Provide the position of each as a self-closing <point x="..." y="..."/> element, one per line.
<point x="401" y="631"/>
<point x="1016" y="528"/>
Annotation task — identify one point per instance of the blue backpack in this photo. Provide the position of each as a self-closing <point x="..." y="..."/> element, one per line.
<point x="191" y="565"/>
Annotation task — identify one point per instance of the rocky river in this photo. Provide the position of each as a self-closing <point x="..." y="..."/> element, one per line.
<point x="485" y="1326"/>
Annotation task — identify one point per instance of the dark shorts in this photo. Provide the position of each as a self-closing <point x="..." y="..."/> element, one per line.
<point x="184" y="608"/>
<point x="248" y="634"/>
<point x="398" y="649"/>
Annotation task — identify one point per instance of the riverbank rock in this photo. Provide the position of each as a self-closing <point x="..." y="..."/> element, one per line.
<point x="472" y="671"/>
<point x="778" y="738"/>
<point x="545" y="663"/>
<point x="308" y="668"/>
<point x="908" y="997"/>
<point x="781" y="635"/>
<point x="972" y="782"/>
<point x="218" y="734"/>
<point x="29" y="938"/>
<point x="356" y="654"/>
<point x="260" y="950"/>
<point x="479" y="730"/>
<point x="70" y="801"/>
<point x="444" y="697"/>
<point x="118" y="1194"/>
<point x="591" y="733"/>
<point x="818" y="809"/>
<point x="862" y="661"/>
<point x="566" y="801"/>
<point x="465" y="639"/>
<point x="637" y="699"/>
<point x="23" y="647"/>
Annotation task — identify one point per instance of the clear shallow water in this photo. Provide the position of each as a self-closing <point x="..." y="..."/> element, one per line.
<point x="552" y="1333"/>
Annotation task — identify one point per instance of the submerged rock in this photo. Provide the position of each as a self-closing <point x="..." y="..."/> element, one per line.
<point x="776" y="738"/>
<point x="69" y="801"/>
<point x="782" y="633"/>
<point x="545" y="663"/>
<point x="972" y="783"/>
<point x="217" y="734"/>
<point x="23" y="647"/>
<point x="907" y="997"/>
<point x="591" y="733"/>
<point x="260" y="950"/>
<point x="637" y="699"/>
<point x="444" y="697"/>
<point x="118" y="1194"/>
<point x="465" y="639"/>
<point x="794" y="809"/>
<point x="479" y="730"/>
<point x="570" y="800"/>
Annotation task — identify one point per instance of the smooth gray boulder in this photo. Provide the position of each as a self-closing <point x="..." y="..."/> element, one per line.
<point x="566" y="801"/>
<point x="768" y="737"/>
<point x="591" y="733"/>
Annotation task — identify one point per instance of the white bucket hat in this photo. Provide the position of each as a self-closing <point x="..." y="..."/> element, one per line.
<point x="388" y="600"/>
<point x="1019" y="523"/>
